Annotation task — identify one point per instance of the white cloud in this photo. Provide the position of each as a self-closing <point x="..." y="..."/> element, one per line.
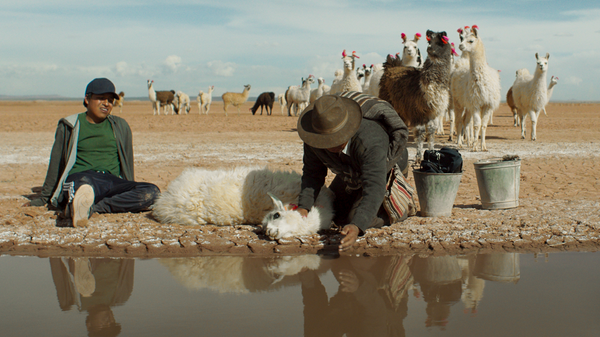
<point x="221" y="68"/>
<point x="173" y="62"/>
<point x="574" y="80"/>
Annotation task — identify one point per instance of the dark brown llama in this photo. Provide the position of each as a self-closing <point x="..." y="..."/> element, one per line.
<point x="420" y="95"/>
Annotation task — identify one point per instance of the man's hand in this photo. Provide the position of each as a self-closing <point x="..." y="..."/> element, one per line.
<point x="350" y="233"/>
<point x="348" y="281"/>
<point x="302" y="211"/>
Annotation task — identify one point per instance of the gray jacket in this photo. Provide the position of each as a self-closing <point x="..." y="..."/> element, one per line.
<point x="64" y="154"/>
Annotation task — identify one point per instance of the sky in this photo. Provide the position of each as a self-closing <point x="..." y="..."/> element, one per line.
<point x="56" y="47"/>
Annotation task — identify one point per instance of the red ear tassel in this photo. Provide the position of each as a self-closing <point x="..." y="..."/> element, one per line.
<point x="475" y="27"/>
<point x="445" y="39"/>
<point x="344" y="53"/>
<point x="459" y="31"/>
<point x="428" y="38"/>
<point x="354" y="54"/>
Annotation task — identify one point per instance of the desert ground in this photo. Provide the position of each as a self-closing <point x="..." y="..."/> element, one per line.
<point x="559" y="186"/>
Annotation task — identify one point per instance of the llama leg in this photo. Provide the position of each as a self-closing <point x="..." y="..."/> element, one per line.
<point x="476" y="128"/>
<point x="420" y="134"/>
<point x="516" y="117"/>
<point x="523" y="120"/>
<point x="534" y="117"/>
<point x="432" y="127"/>
<point x="484" y="123"/>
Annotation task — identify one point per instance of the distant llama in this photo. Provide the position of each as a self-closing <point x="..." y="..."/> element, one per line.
<point x="235" y="98"/>
<point x="204" y="100"/>
<point x="476" y="91"/>
<point x="530" y="94"/>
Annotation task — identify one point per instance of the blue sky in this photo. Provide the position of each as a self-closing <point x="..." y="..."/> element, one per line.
<point x="57" y="47"/>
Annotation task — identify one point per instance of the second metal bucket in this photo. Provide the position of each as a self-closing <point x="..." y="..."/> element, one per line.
<point x="498" y="182"/>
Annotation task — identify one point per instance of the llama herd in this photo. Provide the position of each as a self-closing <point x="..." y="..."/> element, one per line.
<point x="463" y="89"/>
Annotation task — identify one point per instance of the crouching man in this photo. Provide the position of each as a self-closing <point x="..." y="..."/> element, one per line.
<point x="359" y="138"/>
<point x="91" y="163"/>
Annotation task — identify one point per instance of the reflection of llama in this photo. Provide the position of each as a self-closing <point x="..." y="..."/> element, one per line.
<point x="236" y="196"/>
<point x="420" y="95"/>
<point x="238" y="274"/>
<point x="476" y="92"/>
<point x="530" y="94"/>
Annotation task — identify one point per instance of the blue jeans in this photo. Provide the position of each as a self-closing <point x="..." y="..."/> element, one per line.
<point x="111" y="193"/>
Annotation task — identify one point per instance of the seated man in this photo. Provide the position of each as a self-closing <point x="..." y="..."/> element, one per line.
<point x="359" y="138"/>
<point x="91" y="163"/>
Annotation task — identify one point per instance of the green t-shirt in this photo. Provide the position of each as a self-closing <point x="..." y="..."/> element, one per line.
<point x="96" y="148"/>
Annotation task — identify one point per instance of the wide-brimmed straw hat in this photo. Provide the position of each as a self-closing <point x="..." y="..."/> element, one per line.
<point x="329" y="122"/>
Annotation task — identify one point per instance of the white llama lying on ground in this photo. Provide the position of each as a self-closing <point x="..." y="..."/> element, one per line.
<point x="241" y="196"/>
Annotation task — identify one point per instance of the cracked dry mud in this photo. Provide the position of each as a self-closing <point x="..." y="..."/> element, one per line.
<point x="559" y="187"/>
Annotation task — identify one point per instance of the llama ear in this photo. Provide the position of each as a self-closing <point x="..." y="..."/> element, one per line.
<point x="417" y="37"/>
<point x="547" y="56"/>
<point x="403" y="37"/>
<point x="537" y="57"/>
<point x="278" y="204"/>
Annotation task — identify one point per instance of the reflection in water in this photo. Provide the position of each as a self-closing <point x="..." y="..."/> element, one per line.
<point x="371" y="296"/>
<point x="94" y="286"/>
<point x="236" y="274"/>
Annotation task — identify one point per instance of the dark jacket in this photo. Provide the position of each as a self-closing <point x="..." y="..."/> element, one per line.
<point x="64" y="155"/>
<point x="373" y="151"/>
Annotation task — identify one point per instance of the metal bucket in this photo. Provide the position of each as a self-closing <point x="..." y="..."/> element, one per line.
<point x="498" y="182"/>
<point x="436" y="192"/>
<point x="500" y="267"/>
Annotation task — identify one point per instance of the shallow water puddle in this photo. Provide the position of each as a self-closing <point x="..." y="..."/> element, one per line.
<point x="470" y="295"/>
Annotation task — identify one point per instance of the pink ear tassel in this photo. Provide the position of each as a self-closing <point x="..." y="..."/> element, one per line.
<point x="344" y="53"/>
<point x="445" y="39"/>
<point x="459" y="31"/>
<point x="403" y="36"/>
<point x="454" y="52"/>
<point x="417" y="36"/>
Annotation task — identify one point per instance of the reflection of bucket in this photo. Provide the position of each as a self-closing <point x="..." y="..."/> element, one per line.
<point x="436" y="192"/>
<point x="498" y="183"/>
<point x="500" y="267"/>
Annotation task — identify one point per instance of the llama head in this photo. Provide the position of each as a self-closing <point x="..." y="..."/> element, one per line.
<point x="150" y="83"/>
<point x="360" y="73"/>
<point x="281" y="222"/>
<point x="553" y="80"/>
<point x="438" y="48"/>
<point x="542" y="62"/>
<point x="469" y="39"/>
<point x="247" y="87"/>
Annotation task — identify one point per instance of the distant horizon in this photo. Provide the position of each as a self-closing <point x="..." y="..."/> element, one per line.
<point x="193" y="99"/>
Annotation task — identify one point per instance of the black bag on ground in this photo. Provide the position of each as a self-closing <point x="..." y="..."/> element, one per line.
<point x="444" y="160"/>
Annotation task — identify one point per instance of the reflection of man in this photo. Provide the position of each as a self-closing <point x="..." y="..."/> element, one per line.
<point x="372" y="298"/>
<point x="93" y="285"/>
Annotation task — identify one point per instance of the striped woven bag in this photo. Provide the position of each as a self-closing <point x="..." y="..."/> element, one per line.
<point x="399" y="199"/>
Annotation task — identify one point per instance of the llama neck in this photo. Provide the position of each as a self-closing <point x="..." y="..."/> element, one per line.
<point x="409" y="61"/>
<point x="151" y="93"/>
<point x="550" y="89"/>
<point x="539" y="80"/>
<point x="477" y="58"/>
